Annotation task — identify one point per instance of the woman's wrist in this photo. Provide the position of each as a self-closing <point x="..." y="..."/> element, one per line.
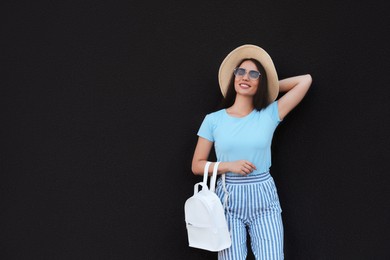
<point x="223" y="167"/>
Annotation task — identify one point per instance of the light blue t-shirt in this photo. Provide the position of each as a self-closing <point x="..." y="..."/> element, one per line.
<point x="242" y="138"/>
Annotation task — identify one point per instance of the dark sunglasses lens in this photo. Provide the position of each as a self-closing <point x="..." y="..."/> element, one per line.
<point x="239" y="72"/>
<point x="254" y="74"/>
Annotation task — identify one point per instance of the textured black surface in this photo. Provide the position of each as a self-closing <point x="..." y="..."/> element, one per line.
<point x="101" y="102"/>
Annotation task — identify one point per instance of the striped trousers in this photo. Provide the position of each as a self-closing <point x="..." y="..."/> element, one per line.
<point x="253" y="205"/>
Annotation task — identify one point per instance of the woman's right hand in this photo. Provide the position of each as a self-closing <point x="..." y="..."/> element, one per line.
<point x="242" y="167"/>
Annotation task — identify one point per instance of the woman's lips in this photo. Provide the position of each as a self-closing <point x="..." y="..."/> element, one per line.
<point x="245" y="86"/>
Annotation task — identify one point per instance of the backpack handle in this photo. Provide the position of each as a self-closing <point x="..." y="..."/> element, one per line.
<point x="214" y="176"/>
<point x="196" y="187"/>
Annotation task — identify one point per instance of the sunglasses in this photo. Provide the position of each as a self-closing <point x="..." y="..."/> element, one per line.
<point x="252" y="74"/>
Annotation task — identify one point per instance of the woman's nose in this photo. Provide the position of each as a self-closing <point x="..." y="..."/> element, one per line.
<point x="246" y="76"/>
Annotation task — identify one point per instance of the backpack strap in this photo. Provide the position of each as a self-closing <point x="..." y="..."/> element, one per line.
<point x="214" y="177"/>
<point x="226" y="197"/>
<point x="213" y="181"/>
<point x="206" y="172"/>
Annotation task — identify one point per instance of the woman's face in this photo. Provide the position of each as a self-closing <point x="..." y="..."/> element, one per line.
<point x="245" y="84"/>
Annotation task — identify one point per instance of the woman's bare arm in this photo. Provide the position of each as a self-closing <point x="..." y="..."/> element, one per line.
<point x="296" y="88"/>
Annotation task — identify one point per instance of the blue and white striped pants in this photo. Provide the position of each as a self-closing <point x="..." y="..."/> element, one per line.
<point x="253" y="203"/>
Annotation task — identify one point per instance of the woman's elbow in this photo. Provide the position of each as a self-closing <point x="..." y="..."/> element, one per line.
<point x="195" y="169"/>
<point x="308" y="79"/>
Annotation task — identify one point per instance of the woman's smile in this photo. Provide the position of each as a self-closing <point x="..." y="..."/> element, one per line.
<point x="244" y="85"/>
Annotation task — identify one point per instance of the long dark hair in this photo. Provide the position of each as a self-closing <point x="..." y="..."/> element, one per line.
<point x="260" y="99"/>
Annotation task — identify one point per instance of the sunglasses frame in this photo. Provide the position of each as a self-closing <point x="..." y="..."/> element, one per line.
<point x="235" y="72"/>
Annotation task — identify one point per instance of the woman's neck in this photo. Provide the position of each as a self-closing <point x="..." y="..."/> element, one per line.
<point x="242" y="106"/>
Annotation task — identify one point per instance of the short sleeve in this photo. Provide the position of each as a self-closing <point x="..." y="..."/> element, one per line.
<point x="206" y="129"/>
<point x="273" y="111"/>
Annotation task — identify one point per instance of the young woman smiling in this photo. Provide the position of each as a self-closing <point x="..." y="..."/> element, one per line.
<point x="241" y="133"/>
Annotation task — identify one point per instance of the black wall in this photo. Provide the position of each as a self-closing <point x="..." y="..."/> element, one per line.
<point x="101" y="102"/>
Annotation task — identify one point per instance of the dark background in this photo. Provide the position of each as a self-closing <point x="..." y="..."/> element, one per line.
<point x="102" y="100"/>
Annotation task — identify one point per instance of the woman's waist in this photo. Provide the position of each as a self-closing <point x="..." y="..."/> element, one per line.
<point x="254" y="177"/>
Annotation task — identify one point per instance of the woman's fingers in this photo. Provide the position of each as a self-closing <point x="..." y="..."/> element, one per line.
<point x="243" y="167"/>
<point x="247" y="167"/>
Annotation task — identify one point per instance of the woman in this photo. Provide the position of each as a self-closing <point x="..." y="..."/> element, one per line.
<point x="241" y="133"/>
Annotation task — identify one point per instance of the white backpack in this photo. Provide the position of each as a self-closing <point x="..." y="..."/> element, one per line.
<point x="204" y="216"/>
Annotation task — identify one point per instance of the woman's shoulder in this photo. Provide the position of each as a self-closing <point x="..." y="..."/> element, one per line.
<point x="272" y="111"/>
<point x="217" y="113"/>
<point x="272" y="106"/>
<point x="215" y="116"/>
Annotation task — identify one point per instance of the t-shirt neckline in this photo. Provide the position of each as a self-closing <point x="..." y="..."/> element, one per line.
<point x="238" y="118"/>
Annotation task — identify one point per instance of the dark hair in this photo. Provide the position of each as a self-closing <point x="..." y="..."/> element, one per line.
<point x="260" y="99"/>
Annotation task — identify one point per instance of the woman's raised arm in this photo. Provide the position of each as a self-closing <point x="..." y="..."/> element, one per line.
<point x="296" y="88"/>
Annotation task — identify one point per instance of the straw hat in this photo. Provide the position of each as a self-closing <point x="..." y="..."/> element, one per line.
<point x="243" y="52"/>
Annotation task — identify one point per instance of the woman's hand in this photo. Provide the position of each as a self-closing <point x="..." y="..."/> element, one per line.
<point x="242" y="167"/>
